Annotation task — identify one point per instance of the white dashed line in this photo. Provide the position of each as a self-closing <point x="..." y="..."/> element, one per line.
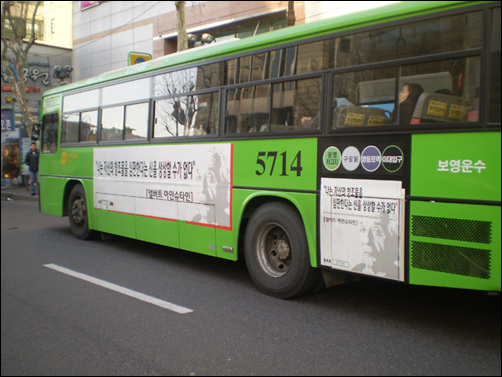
<point x="120" y="289"/>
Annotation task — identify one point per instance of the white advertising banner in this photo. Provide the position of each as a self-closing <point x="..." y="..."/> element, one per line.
<point x="362" y="226"/>
<point x="172" y="182"/>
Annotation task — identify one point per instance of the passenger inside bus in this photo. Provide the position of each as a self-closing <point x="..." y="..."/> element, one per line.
<point x="408" y="97"/>
<point x="310" y="122"/>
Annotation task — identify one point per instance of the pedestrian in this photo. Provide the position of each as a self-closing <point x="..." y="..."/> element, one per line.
<point x="31" y="160"/>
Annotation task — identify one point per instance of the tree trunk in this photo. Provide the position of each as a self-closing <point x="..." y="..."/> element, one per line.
<point x="291" y="19"/>
<point x="15" y="43"/>
<point x="181" y="25"/>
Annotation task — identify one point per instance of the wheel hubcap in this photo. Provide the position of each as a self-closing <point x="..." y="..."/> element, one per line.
<point x="78" y="211"/>
<point x="274" y="250"/>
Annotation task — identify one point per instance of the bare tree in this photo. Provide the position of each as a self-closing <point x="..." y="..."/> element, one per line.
<point x="181" y="25"/>
<point x="18" y="35"/>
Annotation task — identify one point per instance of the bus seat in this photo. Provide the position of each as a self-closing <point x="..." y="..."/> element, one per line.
<point x="437" y="107"/>
<point x="274" y="127"/>
<point x="277" y="127"/>
<point x="357" y="116"/>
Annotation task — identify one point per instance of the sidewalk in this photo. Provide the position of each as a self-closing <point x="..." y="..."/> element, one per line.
<point x="18" y="193"/>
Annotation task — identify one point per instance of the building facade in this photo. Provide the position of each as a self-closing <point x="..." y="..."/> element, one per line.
<point x="51" y="52"/>
<point x="106" y="33"/>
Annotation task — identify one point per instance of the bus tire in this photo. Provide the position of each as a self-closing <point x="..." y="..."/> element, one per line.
<point x="276" y="252"/>
<point x="77" y="214"/>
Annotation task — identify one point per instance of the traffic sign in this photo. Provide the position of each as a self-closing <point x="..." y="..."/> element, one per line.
<point x="138" y="57"/>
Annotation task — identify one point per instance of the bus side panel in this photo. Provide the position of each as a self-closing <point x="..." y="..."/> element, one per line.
<point x="456" y="166"/>
<point x="279" y="164"/>
<point x="455" y="245"/>
<point x="57" y="170"/>
<point x="121" y="224"/>
<point x="227" y="240"/>
<point x="197" y="238"/>
<point x="159" y="231"/>
<point x="287" y="164"/>
<point x="51" y="195"/>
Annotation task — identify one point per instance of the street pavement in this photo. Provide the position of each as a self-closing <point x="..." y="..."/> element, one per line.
<point x="18" y="193"/>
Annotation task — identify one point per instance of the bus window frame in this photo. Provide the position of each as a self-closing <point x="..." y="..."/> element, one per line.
<point x="477" y="52"/>
<point x="274" y="81"/>
<point x="43" y="130"/>
<point x="326" y="92"/>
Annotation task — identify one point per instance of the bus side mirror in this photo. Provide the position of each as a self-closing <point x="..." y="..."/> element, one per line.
<point x="35" y="132"/>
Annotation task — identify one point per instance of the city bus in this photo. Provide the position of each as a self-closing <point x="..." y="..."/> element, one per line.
<point x="365" y="145"/>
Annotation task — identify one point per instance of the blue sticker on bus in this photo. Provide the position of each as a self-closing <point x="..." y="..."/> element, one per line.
<point x="371" y="158"/>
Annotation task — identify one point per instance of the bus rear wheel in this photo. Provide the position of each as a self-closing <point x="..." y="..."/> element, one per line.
<point x="77" y="214"/>
<point x="276" y="252"/>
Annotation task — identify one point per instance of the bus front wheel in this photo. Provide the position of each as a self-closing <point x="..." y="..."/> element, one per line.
<point x="77" y="214"/>
<point x="276" y="252"/>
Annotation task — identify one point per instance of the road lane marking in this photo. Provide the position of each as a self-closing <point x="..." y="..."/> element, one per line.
<point x="117" y="288"/>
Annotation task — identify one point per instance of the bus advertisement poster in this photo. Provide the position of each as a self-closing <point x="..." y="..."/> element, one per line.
<point x="362" y="226"/>
<point x="167" y="182"/>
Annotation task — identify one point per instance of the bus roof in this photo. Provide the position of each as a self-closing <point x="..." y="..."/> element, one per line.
<point x="291" y="34"/>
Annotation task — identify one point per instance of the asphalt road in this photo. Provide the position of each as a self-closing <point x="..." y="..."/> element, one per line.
<point x="96" y="313"/>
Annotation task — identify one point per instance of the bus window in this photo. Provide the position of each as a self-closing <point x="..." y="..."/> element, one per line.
<point x="82" y="100"/>
<point x="112" y="123"/>
<point x="210" y="75"/>
<point x="259" y="71"/>
<point x="432" y="36"/>
<point x="283" y="62"/>
<point x="126" y="92"/>
<point x="451" y="90"/>
<point x="312" y="57"/>
<point x="244" y="74"/>
<point x="69" y="131"/>
<point x="193" y="115"/>
<point x="296" y="105"/>
<point x="290" y="61"/>
<point x="49" y="137"/>
<point x="88" y="125"/>
<point x="438" y="107"/>
<point x="169" y="119"/>
<point x="275" y="63"/>
<point x="248" y="109"/>
<point x="136" y="121"/>
<point x="231" y="69"/>
<point x="364" y="98"/>
<point x="170" y="83"/>
<point x="205" y="118"/>
<point x="450" y="87"/>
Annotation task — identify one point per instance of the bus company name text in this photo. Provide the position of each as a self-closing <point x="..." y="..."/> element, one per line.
<point x="461" y="166"/>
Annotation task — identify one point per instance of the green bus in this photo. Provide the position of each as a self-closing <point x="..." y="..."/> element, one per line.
<point x="367" y="144"/>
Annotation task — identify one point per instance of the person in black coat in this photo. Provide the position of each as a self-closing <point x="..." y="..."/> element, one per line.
<point x="31" y="159"/>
